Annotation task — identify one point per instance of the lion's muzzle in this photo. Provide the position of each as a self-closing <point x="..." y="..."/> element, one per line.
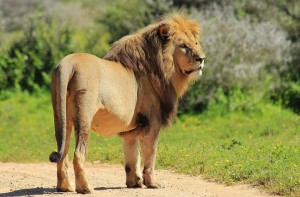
<point x="199" y="68"/>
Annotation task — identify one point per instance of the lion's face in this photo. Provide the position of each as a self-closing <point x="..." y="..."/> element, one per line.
<point x="182" y="34"/>
<point x="188" y="55"/>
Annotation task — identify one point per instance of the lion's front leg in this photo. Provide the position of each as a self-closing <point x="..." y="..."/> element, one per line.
<point x="132" y="161"/>
<point x="149" y="142"/>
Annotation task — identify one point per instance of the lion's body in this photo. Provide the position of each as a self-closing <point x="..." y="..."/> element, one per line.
<point x="96" y="81"/>
<point x="133" y="91"/>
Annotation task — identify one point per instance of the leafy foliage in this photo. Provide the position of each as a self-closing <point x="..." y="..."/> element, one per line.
<point x="252" y="47"/>
<point x="240" y="57"/>
<point x="27" y="64"/>
<point x="120" y="22"/>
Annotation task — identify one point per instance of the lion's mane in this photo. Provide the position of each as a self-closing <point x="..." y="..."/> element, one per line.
<point x="149" y="54"/>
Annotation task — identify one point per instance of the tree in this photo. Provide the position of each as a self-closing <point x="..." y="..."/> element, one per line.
<point x="120" y="20"/>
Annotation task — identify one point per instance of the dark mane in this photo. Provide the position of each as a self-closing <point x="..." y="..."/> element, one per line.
<point x="140" y="52"/>
<point x="143" y="54"/>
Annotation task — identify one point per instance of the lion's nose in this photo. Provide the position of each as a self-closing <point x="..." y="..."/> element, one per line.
<point x="199" y="59"/>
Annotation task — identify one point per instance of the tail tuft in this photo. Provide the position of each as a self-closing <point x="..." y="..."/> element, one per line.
<point x="55" y="157"/>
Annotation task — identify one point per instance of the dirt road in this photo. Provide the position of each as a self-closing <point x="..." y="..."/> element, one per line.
<point x="109" y="180"/>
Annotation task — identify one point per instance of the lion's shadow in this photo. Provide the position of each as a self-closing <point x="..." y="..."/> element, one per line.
<point x="45" y="191"/>
<point x="108" y="188"/>
<point x="30" y="192"/>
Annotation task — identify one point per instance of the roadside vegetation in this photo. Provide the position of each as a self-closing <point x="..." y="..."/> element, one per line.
<point x="239" y="124"/>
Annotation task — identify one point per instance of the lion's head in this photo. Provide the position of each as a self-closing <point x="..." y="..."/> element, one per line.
<point x="181" y="36"/>
<point x="161" y="48"/>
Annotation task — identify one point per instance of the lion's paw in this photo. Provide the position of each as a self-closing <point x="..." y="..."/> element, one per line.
<point x="137" y="183"/>
<point x="68" y="189"/>
<point x="84" y="190"/>
<point x="156" y="185"/>
<point x="64" y="187"/>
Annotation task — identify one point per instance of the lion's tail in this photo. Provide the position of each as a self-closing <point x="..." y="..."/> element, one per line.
<point x="59" y="83"/>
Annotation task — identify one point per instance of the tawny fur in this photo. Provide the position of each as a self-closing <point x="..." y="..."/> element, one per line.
<point x="133" y="91"/>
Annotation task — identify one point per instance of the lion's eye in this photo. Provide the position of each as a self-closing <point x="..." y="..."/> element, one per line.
<point x="183" y="46"/>
<point x="185" y="49"/>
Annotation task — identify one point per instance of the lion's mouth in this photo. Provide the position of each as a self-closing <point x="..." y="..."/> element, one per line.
<point x="200" y="67"/>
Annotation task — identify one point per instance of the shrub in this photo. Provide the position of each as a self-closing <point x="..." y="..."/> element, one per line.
<point x="237" y="55"/>
<point x="28" y="62"/>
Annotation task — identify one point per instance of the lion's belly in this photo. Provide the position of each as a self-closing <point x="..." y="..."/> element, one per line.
<point x="117" y="99"/>
<point x="106" y="123"/>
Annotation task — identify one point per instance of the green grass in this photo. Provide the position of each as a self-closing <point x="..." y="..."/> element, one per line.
<point x="262" y="149"/>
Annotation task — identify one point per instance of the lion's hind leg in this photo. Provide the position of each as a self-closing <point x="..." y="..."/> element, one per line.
<point x="82" y="138"/>
<point x="85" y="111"/>
<point x="132" y="161"/>
<point x="63" y="182"/>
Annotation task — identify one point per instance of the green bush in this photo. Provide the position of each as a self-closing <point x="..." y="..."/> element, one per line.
<point x="291" y="97"/>
<point x="120" y="21"/>
<point x="238" y="53"/>
<point x="29" y="61"/>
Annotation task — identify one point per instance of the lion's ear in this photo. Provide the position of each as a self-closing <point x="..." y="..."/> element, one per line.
<point x="163" y="31"/>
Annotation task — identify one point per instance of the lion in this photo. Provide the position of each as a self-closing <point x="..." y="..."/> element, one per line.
<point x="133" y="91"/>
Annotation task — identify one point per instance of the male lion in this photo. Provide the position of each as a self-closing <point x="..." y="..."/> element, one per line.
<point x="133" y="91"/>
